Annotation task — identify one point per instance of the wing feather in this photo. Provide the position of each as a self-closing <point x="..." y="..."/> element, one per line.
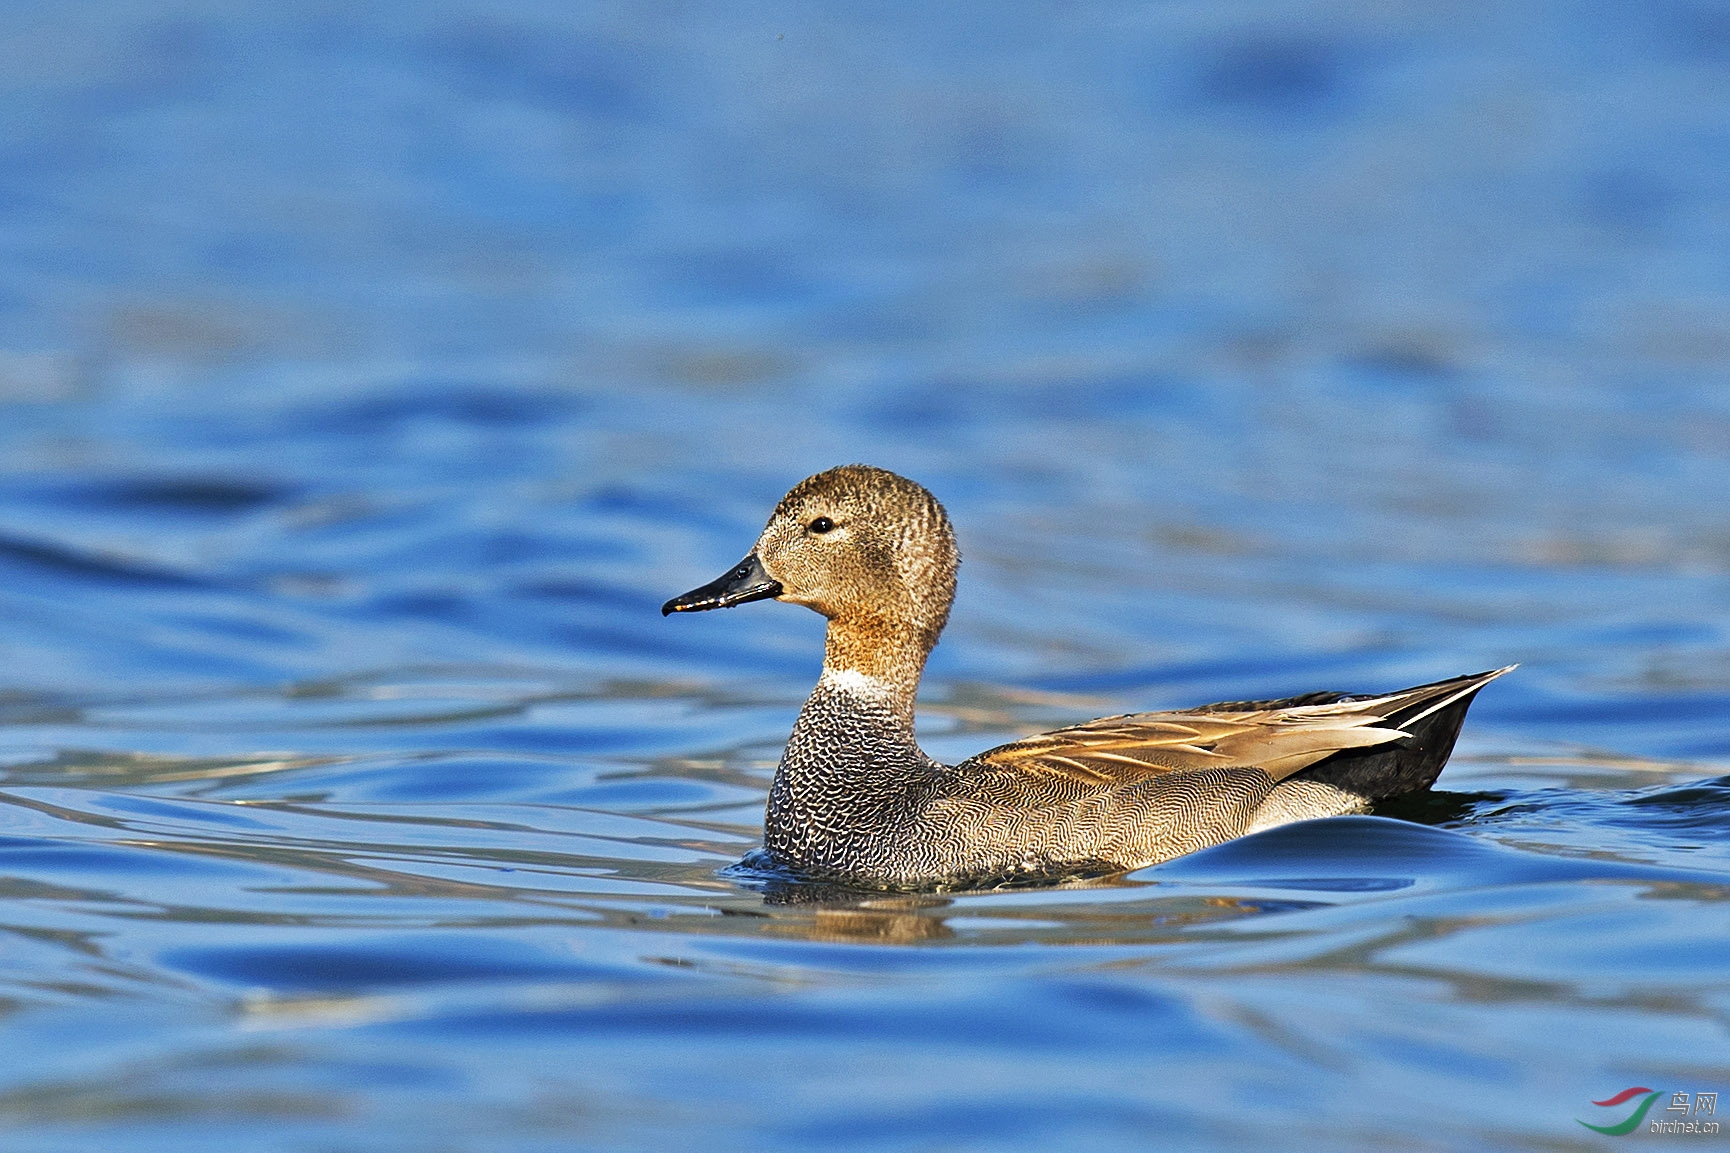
<point x="1117" y="749"/>
<point x="1280" y="737"/>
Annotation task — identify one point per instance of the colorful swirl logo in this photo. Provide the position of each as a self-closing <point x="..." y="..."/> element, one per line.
<point x="1623" y="1128"/>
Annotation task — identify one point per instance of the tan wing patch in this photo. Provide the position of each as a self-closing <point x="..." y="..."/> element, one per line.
<point x="1115" y="749"/>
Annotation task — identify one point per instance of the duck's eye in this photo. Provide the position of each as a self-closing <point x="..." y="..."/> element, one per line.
<point x="821" y="525"/>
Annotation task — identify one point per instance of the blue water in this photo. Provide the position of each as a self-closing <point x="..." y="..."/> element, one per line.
<point x="369" y="377"/>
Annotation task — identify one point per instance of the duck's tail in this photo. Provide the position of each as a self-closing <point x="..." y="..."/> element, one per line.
<point x="1431" y="714"/>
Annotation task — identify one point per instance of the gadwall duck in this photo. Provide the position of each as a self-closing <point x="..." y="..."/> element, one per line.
<point x="854" y="798"/>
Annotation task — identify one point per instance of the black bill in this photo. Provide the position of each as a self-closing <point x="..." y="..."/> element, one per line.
<point x="746" y="581"/>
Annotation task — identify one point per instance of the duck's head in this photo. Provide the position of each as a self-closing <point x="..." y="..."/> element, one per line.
<point x="868" y="549"/>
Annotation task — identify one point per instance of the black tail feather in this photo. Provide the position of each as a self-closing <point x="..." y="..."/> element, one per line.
<point x="1404" y="766"/>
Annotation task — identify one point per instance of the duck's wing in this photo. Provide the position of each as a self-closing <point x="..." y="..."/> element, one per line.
<point x="1115" y="749"/>
<point x="1281" y="740"/>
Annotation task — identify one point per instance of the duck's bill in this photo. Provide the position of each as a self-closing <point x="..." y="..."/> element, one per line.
<point x="745" y="582"/>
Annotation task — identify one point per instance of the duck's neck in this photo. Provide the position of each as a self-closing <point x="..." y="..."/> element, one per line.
<point x="875" y="661"/>
<point x="851" y="751"/>
<point x="857" y="725"/>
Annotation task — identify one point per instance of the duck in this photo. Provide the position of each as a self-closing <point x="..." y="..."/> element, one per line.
<point x="855" y="800"/>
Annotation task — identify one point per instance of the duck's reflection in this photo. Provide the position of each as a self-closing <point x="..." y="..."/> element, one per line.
<point x="888" y="921"/>
<point x="840" y="913"/>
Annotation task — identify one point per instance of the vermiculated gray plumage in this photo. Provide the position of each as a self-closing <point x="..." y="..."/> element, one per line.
<point x="855" y="799"/>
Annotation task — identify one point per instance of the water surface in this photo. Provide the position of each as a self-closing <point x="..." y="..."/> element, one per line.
<point x="368" y="380"/>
